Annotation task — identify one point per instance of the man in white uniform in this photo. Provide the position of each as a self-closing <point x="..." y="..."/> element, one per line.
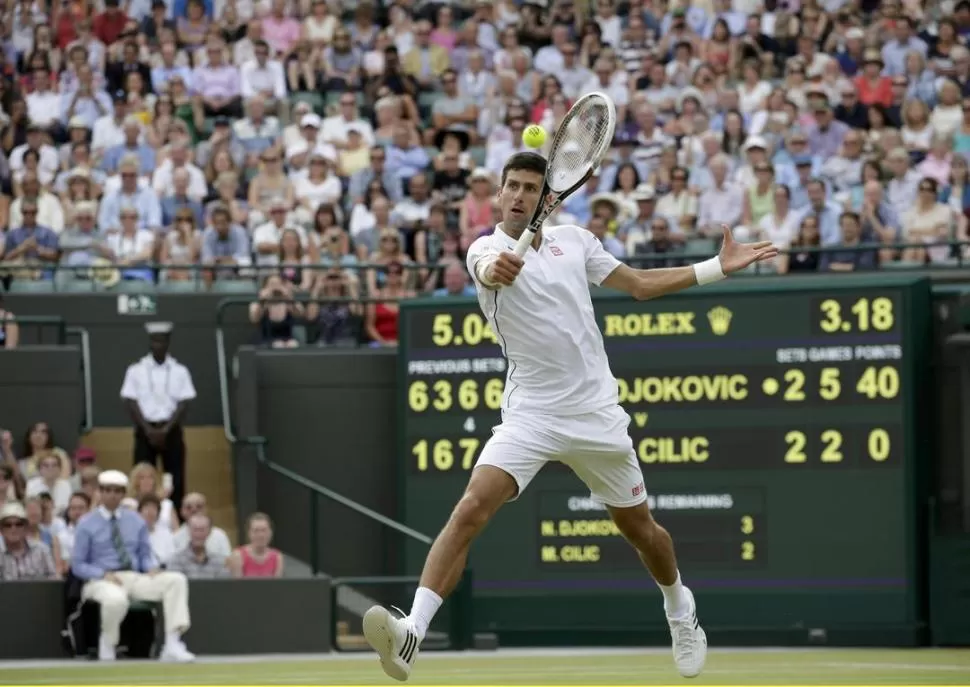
<point x="560" y="403"/>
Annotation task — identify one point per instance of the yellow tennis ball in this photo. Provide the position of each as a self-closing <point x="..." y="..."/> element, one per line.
<point x="534" y="136"/>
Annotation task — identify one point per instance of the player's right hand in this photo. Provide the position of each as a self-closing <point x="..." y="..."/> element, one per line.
<point x="504" y="269"/>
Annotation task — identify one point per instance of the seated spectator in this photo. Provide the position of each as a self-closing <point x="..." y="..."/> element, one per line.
<point x="381" y="316"/>
<point x="11" y="484"/>
<point x="144" y="480"/>
<point x="722" y="203"/>
<point x="849" y="260"/>
<point x="456" y="283"/>
<point x="613" y="246"/>
<point x="294" y="263"/>
<point x="160" y="536"/>
<point x="113" y="557"/>
<point x="266" y="237"/>
<point x="37" y="532"/>
<point x="938" y="159"/>
<point x="30" y="244"/>
<point x="181" y="246"/>
<point x="217" y="542"/>
<point x="130" y="194"/>
<point x="337" y="322"/>
<point x="77" y="507"/>
<point x="132" y="130"/>
<point x="195" y="561"/>
<point x="133" y="247"/>
<point x="276" y="313"/>
<point x="39" y="443"/>
<point x="797" y="260"/>
<point x="191" y="184"/>
<point x="81" y="243"/>
<point x="9" y="332"/>
<point x="21" y="559"/>
<point x="224" y="244"/>
<point x="89" y="484"/>
<point x="216" y="86"/>
<point x="49" y="481"/>
<point x="50" y="213"/>
<point x="662" y="250"/>
<point x="270" y="185"/>
<point x="256" y="131"/>
<point x="258" y="558"/>
<point x="928" y="222"/>
<point x="320" y="186"/>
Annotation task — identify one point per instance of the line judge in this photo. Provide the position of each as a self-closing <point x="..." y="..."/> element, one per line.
<point x="156" y="390"/>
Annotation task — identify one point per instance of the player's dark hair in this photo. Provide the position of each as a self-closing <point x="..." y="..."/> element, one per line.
<point x="528" y="161"/>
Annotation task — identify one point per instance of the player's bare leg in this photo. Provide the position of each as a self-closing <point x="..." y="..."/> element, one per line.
<point x="396" y="639"/>
<point x="656" y="549"/>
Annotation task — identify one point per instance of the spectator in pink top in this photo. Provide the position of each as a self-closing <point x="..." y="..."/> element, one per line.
<point x="280" y="31"/>
<point x="258" y="558"/>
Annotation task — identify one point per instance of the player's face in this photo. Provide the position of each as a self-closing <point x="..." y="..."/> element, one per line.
<point x="518" y="198"/>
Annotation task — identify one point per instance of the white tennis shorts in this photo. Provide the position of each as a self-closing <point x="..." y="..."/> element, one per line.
<point x="596" y="446"/>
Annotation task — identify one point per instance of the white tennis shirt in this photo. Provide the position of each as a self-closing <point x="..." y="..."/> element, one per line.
<point x="545" y="322"/>
<point x="157" y="388"/>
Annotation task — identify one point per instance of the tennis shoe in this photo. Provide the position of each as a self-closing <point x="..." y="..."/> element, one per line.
<point x="689" y="641"/>
<point x="393" y="639"/>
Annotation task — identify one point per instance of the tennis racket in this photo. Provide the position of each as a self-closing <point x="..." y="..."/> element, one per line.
<point x="583" y="137"/>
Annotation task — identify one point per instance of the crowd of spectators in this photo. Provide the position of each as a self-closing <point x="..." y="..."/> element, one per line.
<point x="297" y="141"/>
<point x="44" y="494"/>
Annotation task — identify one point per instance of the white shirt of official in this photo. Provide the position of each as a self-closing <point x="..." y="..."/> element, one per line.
<point x="157" y="388"/>
<point x="546" y="325"/>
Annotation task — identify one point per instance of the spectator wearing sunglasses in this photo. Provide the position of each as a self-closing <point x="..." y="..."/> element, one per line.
<point x="21" y="560"/>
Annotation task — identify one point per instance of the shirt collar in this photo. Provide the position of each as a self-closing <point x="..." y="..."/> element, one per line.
<point x="107" y="514"/>
<point x="150" y="360"/>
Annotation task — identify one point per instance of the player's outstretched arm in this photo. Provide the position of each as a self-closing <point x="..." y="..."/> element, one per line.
<point x="646" y="284"/>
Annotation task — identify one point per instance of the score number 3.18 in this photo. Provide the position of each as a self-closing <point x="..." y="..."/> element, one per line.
<point x="865" y="314"/>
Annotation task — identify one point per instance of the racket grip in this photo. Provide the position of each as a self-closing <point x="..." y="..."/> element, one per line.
<point x="522" y="246"/>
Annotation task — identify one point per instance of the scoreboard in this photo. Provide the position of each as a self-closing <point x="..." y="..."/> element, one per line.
<point x="776" y="424"/>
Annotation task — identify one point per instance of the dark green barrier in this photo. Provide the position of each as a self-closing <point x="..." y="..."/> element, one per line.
<point x="283" y="616"/>
<point x="780" y="426"/>
<point x="117" y="336"/>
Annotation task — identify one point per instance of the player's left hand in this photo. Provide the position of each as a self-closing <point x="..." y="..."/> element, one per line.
<point x="736" y="256"/>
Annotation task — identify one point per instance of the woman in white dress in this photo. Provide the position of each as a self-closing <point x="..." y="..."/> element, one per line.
<point x="780" y="226"/>
<point x="319" y="186"/>
<point x="143" y="481"/>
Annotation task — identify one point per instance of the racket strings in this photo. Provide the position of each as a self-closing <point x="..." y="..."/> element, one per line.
<point x="581" y="141"/>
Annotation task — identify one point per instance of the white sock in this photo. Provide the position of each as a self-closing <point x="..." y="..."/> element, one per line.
<point x="172" y="638"/>
<point x="426" y="604"/>
<point x="676" y="602"/>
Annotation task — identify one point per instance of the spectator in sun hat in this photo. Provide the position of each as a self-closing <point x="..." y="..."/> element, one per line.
<point x="113" y="556"/>
<point x="20" y="559"/>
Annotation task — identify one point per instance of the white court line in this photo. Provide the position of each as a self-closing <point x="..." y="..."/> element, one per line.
<point x="898" y="666"/>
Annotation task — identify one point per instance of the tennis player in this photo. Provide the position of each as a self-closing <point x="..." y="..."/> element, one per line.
<point x="560" y="403"/>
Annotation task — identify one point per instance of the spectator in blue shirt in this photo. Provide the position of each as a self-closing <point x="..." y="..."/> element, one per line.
<point x="456" y="282"/>
<point x="30" y="242"/>
<point x="132" y="146"/>
<point x="131" y="194"/>
<point x="113" y="556"/>
<point x="826" y="212"/>
<point x="225" y="244"/>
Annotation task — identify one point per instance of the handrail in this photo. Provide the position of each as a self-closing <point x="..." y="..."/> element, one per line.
<point x="88" y="423"/>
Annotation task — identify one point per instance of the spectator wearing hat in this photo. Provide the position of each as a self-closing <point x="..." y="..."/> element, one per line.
<point x="81" y="243"/>
<point x="156" y="390"/>
<point x="133" y="145"/>
<point x="113" y="556"/>
<point x="20" y="559"/>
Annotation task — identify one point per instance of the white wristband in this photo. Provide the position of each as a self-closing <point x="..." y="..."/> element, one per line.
<point x="481" y="267"/>
<point x="708" y="272"/>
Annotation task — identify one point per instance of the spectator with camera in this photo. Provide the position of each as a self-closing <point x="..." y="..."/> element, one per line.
<point x="113" y="556"/>
<point x="276" y="313"/>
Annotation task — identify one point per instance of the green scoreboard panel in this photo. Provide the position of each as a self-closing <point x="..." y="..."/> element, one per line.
<point x="775" y="423"/>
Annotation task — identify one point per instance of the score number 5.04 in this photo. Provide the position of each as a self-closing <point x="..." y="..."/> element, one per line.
<point x="862" y="315"/>
<point x="471" y="330"/>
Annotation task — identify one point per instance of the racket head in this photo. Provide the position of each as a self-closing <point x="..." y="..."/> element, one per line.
<point x="581" y="141"/>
